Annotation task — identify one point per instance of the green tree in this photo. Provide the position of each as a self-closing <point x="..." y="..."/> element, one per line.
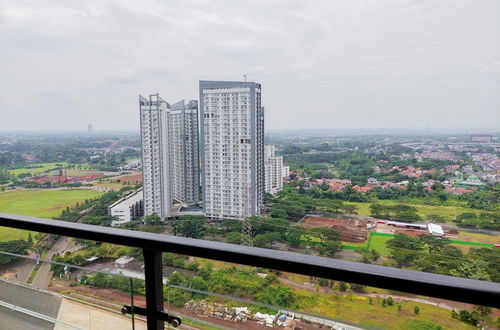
<point x="367" y="256"/>
<point x="30" y="239"/>
<point x="189" y="226"/>
<point x="404" y="249"/>
<point x="435" y="244"/>
<point x="293" y="235"/>
<point x="277" y="295"/>
<point x="326" y="234"/>
<point x="79" y="260"/>
<point x="16" y="246"/>
<point x="329" y="248"/>
<point x="198" y="283"/>
<point x="262" y="240"/>
<point x="473" y="269"/>
<point x="435" y="218"/>
<point x="233" y="237"/>
<point x="152" y="219"/>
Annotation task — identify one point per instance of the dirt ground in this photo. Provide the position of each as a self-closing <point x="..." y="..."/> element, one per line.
<point x="134" y="178"/>
<point x="350" y="230"/>
<point x="409" y="232"/>
<point x="114" y="299"/>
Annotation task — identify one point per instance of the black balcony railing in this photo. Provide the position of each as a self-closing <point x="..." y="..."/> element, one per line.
<point x="433" y="285"/>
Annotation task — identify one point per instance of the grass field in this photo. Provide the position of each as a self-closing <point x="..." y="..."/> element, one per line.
<point x="377" y="242"/>
<point x="374" y="242"/>
<point x="38" y="203"/>
<point x="448" y="212"/>
<point x="37" y="170"/>
<point x="357" y="309"/>
<point x="74" y="172"/>
<point x="477" y="237"/>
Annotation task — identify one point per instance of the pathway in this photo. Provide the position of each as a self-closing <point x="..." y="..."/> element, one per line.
<point x="42" y="278"/>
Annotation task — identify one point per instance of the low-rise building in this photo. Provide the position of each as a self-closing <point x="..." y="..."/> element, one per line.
<point x="471" y="182"/>
<point x="435" y="230"/>
<point x="127" y="209"/>
<point x="481" y="138"/>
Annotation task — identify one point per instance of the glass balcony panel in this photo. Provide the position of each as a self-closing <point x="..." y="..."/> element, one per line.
<point x="37" y="293"/>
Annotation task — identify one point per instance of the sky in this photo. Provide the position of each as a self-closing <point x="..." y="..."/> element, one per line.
<point x="322" y="64"/>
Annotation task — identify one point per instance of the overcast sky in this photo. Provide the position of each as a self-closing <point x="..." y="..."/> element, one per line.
<point x="322" y="64"/>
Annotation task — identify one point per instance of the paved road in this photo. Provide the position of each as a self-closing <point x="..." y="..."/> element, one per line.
<point x="30" y="300"/>
<point x="18" y="271"/>
<point x="42" y="278"/>
<point x="12" y="320"/>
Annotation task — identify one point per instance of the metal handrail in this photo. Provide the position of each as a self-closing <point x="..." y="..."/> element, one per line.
<point x="428" y="284"/>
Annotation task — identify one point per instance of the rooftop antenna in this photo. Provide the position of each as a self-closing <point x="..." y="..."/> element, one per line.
<point x="245" y="77"/>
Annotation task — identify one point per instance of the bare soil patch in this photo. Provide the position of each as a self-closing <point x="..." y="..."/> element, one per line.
<point x="350" y="230"/>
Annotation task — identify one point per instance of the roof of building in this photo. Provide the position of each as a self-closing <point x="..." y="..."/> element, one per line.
<point x="435" y="229"/>
<point x="473" y="178"/>
<point x="129" y="199"/>
<point x="123" y="260"/>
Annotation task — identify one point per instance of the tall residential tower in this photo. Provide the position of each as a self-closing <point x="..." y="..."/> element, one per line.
<point x="185" y="163"/>
<point x="169" y="135"/>
<point x="156" y="163"/>
<point x="232" y="149"/>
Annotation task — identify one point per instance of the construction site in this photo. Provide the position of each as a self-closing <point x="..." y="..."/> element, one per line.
<point x="357" y="229"/>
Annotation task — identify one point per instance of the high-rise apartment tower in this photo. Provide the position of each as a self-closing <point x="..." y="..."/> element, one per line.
<point x="169" y="135"/>
<point x="231" y="149"/>
<point x="156" y="162"/>
<point x="184" y="141"/>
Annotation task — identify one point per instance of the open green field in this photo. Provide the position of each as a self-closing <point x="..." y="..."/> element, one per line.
<point x="448" y="212"/>
<point x="38" y="203"/>
<point x="357" y="309"/>
<point x="377" y="242"/>
<point x="36" y="170"/>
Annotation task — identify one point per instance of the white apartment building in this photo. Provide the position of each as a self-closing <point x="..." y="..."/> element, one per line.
<point x="185" y="161"/>
<point x="232" y="149"/>
<point x="273" y="170"/>
<point x="169" y="135"/>
<point x="127" y="208"/>
<point x="285" y="171"/>
<point x="156" y="162"/>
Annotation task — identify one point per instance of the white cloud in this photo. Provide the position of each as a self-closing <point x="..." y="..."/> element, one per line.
<point x="344" y="63"/>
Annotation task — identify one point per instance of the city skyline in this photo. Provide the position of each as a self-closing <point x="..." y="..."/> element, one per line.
<point x="352" y="64"/>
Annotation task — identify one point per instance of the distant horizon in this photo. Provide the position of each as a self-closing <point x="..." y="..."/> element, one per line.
<point x="423" y="130"/>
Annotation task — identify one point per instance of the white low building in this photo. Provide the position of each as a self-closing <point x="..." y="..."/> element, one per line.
<point x="435" y="230"/>
<point x="127" y="209"/>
